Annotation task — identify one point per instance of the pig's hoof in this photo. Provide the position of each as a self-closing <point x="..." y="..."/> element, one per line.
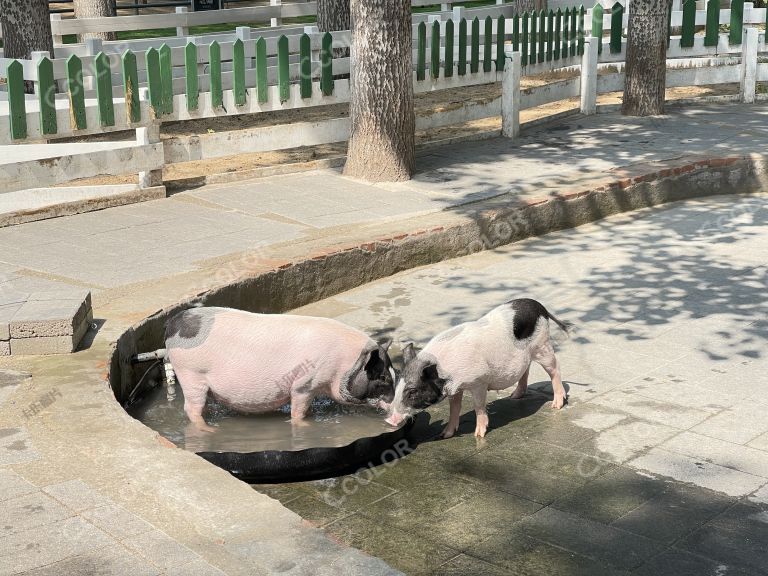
<point x="480" y="431"/>
<point x="558" y="402"/>
<point x="517" y="394"/>
<point x="204" y="428"/>
<point x="448" y="432"/>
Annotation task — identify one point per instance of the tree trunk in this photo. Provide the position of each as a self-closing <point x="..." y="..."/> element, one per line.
<point x="521" y="6"/>
<point x="96" y="9"/>
<point x="381" y="144"/>
<point x="334" y="15"/>
<point x="26" y="28"/>
<point x="646" y="71"/>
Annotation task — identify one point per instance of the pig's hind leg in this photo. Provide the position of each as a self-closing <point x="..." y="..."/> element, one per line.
<point x="522" y="385"/>
<point x="301" y="399"/>
<point x="195" y="388"/>
<point x="545" y="356"/>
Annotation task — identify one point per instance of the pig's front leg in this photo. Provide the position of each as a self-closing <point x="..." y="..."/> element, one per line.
<point x="453" y="419"/>
<point x="479" y="395"/>
<point x="522" y="385"/>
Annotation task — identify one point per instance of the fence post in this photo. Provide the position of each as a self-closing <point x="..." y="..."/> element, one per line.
<point x="313" y="31"/>
<point x="748" y="65"/>
<point x="36" y="57"/>
<point x="589" y="76"/>
<point x="58" y="39"/>
<point x="510" y="95"/>
<point x="144" y="136"/>
<point x="748" y="6"/>
<point x="92" y="48"/>
<point x="276" y="21"/>
<point x="182" y="31"/>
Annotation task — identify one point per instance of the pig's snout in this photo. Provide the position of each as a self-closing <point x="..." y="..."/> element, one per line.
<point x="395" y="419"/>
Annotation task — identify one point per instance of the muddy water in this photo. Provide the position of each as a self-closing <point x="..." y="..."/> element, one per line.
<point x="328" y="425"/>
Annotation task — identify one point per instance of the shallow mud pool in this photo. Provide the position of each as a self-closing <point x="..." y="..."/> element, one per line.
<point x="328" y="425"/>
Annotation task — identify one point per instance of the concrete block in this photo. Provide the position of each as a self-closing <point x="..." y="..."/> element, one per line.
<point x="160" y="549"/>
<point x="79" y="295"/>
<point x="7" y="312"/>
<point x="12" y="485"/>
<point x="46" y="318"/>
<point x="51" y="543"/>
<point x="30" y="511"/>
<point x="77" y="495"/>
<point x="117" y="521"/>
<point x="51" y="344"/>
<point x="5" y="348"/>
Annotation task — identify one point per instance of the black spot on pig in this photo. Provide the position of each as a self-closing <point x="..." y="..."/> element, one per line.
<point x="190" y="328"/>
<point x="370" y="377"/>
<point x="527" y="314"/>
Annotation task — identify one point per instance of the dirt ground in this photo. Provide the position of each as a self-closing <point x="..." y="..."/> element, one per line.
<point x="177" y="176"/>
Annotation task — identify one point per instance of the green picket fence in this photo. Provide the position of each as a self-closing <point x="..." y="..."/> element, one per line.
<point x="540" y="36"/>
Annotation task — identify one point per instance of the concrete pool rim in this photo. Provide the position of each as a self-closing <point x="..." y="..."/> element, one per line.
<point x="480" y="226"/>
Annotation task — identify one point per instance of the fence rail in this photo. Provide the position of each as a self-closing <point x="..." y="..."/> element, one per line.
<point x="259" y="74"/>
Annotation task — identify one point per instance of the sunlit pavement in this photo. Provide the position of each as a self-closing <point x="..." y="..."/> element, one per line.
<point x="659" y="463"/>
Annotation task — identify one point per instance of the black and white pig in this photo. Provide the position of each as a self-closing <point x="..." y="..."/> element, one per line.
<point x="491" y="353"/>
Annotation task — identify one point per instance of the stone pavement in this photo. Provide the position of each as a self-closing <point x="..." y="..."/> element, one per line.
<point x="659" y="463"/>
<point x="86" y="477"/>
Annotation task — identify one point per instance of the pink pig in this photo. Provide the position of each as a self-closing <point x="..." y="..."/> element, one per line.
<point x="256" y="363"/>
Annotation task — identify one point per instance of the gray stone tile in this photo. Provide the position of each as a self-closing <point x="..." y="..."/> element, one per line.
<point x="195" y="568"/>
<point x="588" y="538"/>
<point x="464" y="565"/>
<point x="16" y="447"/>
<point x="719" y="452"/>
<point x="12" y="485"/>
<point x="113" y="560"/>
<point x="760" y="443"/>
<point x="681" y="563"/>
<point x="159" y="549"/>
<point x="404" y="550"/>
<point x="749" y="416"/>
<point x="673" y="415"/>
<point x="698" y="471"/>
<point x="520" y="554"/>
<point x="627" y="439"/>
<point x="28" y="511"/>
<point x="676" y="512"/>
<point x="77" y="495"/>
<point x="737" y="537"/>
<point x="609" y="496"/>
<point x="50" y="543"/>
<point x="116" y="521"/>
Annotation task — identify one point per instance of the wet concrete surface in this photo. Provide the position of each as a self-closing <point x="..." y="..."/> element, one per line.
<point x="657" y="465"/>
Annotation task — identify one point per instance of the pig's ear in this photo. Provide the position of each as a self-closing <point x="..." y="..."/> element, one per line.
<point x="429" y="374"/>
<point x="408" y="352"/>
